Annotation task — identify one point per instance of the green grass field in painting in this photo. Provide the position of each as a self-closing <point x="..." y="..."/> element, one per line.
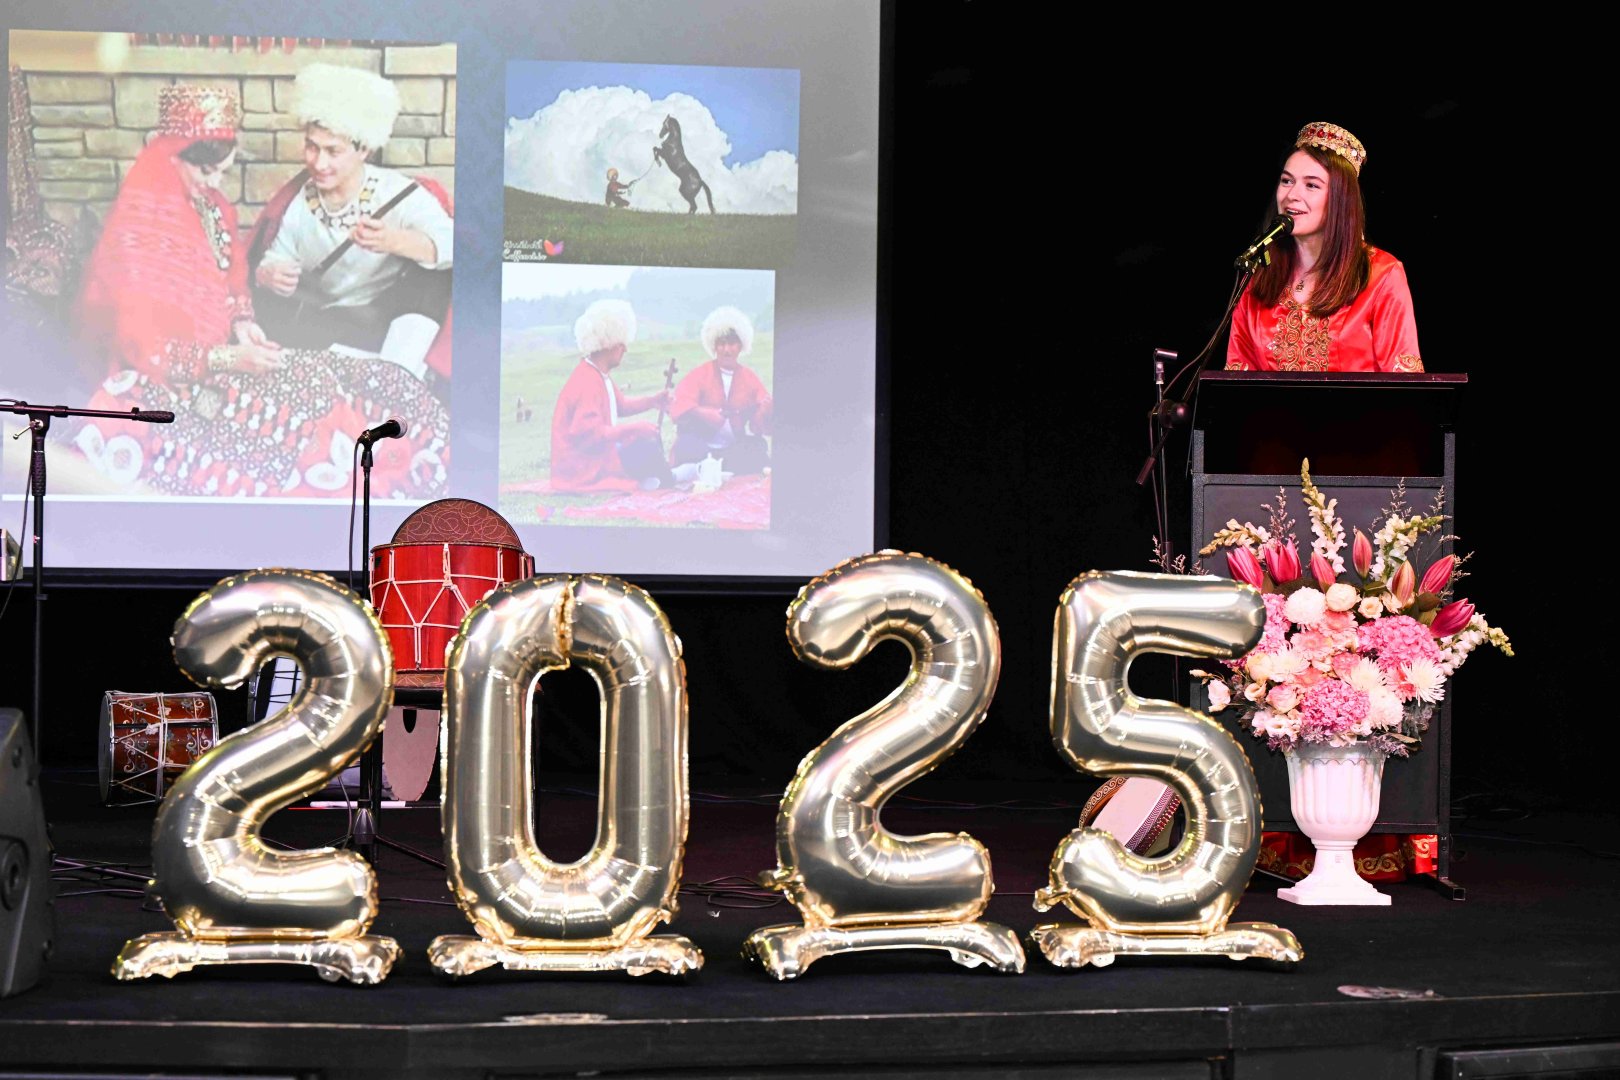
<point x="606" y="236"/>
<point x="536" y="372"/>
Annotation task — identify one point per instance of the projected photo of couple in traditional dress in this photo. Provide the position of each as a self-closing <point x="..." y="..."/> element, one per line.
<point x="651" y="165"/>
<point x="275" y="345"/>
<point x="637" y="396"/>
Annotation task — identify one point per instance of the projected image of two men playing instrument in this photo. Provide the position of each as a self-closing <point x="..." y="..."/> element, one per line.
<point x="647" y="208"/>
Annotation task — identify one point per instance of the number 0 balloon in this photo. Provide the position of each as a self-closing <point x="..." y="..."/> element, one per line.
<point x="530" y="912"/>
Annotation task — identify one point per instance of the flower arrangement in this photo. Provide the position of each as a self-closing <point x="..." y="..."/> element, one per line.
<point x="1362" y="660"/>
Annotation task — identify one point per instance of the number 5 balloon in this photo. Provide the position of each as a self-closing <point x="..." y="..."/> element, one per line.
<point x="233" y="900"/>
<point x="857" y="885"/>
<point x="1179" y="903"/>
<point x="595" y="914"/>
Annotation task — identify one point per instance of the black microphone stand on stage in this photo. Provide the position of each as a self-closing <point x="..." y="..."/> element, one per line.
<point x="1171" y="412"/>
<point x="365" y="834"/>
<point x="39" y="423"/>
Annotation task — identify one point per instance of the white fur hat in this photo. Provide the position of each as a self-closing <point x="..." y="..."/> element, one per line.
<point x="347" y="101"/>
<point x="724" y="319"/>
<point x="605" y="324"/>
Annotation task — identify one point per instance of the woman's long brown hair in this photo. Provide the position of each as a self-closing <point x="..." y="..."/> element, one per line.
<point x="1342" y="271"/>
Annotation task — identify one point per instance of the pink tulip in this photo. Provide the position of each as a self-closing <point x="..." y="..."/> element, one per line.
<point x="1438" y="576"/>
<point x="1244" y="567"/>
<point x="1283" y="562"/>
<point x="1290" y="562"/>
<point x="1451" y="619"/>
<point x="1322" y="571"/>
<point x="1361" y="554"/>
<point x="1404" y="584"/>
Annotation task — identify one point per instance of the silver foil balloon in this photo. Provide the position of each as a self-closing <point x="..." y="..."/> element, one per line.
<point x="1104" y="621"/>
<point x="213" y="873"/>
<point x="837" y="863"/>
<point x="519" y="901"/>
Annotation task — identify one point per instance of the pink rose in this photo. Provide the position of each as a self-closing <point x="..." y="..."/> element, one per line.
<point x="1308" y="678"/>
<point x="1219" y="696"/>
<point x="1283" y="697"/>
<point x="1313" y="644"/>
<point x="1344" y="663"/>
<point x="1338" y="621"/>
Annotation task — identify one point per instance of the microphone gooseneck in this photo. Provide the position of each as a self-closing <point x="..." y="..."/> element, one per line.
<point x="1258" y="254"/>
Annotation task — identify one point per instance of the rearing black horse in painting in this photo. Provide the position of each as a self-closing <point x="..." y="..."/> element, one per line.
<point x="673" y="153"/>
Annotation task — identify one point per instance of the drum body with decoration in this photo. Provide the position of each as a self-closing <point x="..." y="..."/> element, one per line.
<point x="423" y="591"/>
<point x="148" y="740"/>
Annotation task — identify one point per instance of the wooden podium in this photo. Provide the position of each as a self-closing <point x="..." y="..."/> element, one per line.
<point x="1363" y="433"/>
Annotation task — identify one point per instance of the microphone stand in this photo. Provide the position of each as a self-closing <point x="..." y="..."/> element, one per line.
<point x="39" y="423"/>
<point x="365" y="833"/>
<point x="1170" y="412"/>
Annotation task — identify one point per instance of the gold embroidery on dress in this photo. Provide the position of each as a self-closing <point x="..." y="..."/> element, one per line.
<point x="1408" y="363"/>
<point x="1301" y="341"/>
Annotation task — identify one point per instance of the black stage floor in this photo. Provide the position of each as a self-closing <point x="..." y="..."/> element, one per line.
<point x="1530" y="959"/>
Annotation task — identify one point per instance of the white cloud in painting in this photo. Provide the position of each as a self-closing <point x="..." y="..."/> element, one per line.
<point x="566" y="149"/>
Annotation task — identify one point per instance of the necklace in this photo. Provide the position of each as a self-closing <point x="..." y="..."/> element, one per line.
<point x="213" y="221"/>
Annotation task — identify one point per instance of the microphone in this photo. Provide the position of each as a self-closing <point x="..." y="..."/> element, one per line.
<point x="1160" y="356"/>
<point x="1259" y="252"/>
<point x="392" y="428"/>
<point x="152" y="416"/>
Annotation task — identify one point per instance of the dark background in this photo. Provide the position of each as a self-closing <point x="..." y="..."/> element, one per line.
<point x="1048" y="223"/>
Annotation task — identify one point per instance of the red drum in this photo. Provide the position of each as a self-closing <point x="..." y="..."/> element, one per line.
<point x="148" y="740"/>
<point x="423" y="591"/>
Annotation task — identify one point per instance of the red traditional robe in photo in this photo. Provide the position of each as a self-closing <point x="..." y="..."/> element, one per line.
<point x="167" y="283"/>
<point x="703" y="389"/>
<point x="1374" y="332"/>
<point x="584" y="440"/>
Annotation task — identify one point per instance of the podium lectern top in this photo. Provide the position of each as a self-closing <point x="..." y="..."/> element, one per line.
<point x="1387" y="424"/>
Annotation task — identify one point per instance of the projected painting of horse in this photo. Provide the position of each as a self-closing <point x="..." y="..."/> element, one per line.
<point x="651" y="165"/>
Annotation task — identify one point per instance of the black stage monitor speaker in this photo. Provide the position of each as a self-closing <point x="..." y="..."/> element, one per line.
<point x="27" y="919"/>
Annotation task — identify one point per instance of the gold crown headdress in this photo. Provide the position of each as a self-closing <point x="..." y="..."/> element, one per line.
<point x="1333" y="138"/>
<point x="198" y="112"/>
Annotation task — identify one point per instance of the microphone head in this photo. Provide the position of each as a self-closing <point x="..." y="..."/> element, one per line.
<point x="403" y="428"/>
<point x="1287" y="222"/>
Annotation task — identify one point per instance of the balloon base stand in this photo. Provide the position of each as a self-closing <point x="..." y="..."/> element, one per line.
<point x="668" y="954"/>
<point x="365" y="960"/>
<point x="1072" y="946"/>
<point x="786" y="951"/>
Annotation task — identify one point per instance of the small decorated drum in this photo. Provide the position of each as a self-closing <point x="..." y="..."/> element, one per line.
<point x="423" y="591"/>
<point x="148" y="740"/>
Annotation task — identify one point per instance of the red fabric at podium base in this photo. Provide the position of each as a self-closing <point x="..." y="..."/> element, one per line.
<point x="1379" y="856"/>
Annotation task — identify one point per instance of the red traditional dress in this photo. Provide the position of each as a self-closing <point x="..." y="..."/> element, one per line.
<point x="702" y="396"/>
<point x="164" y="290"/>
<point x="585" y="433"/>
<point x="1374" y="332"/>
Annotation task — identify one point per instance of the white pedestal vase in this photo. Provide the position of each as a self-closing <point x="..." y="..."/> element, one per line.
<point x="1334" y="794"/>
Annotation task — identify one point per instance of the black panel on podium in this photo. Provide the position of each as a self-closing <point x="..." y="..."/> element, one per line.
<point x="1364" y="433"/>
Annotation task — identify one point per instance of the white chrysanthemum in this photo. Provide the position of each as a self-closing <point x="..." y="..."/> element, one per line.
<point x="1427" y="680"/>
<point x="1341" y="597"/>
<point x="1306" y="607"/>
<point x="1371" y="608"/>
<point x="1366" y="676"/>
<point x="1286" y="663"/>
<point x="1383" y="708"/>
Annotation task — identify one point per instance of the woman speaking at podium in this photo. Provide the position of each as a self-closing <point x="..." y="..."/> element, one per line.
<point x="1328" y="300"/>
